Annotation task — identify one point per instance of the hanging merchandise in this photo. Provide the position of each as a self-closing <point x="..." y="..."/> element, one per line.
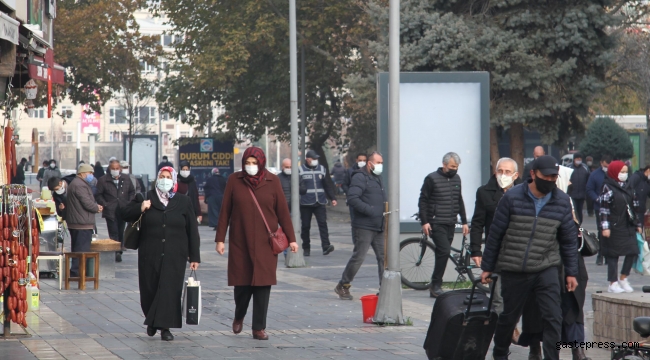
<point x="30" y="90"/>
<point x="20" y="241"/>
<point x="3" y="160"/>
<point x="9" y="155"/>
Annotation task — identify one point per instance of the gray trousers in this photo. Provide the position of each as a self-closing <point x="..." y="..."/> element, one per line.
<point x="497" y="302"/>
<point x="365" y="239"/>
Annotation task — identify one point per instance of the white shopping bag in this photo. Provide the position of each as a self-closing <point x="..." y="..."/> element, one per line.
<point x="192" y="302"/>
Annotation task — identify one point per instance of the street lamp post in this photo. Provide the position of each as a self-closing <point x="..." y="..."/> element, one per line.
<point x="389" y="306"/>
<point x="294" y="259"/>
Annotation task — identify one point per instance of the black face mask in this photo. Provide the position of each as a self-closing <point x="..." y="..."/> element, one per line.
<point x="544" y="186"/>
<point x="451" y="173"/>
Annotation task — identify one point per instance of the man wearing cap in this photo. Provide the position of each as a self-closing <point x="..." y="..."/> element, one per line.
<point x="112" y="189"/>
<point x="320" y="188"/>
<point x="532" y="234"/>
<point x="80" y="214"/>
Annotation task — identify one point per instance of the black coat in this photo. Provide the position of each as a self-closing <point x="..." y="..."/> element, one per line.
<point x="622" y="239"/>
<point x="579" y="178"/>
<point x="441" y="199"/>
<point x="187" y="186"/>
<point x="487" y="198"/>
<point x="366" y="197"/>
<point x="168" y="237"/>
<point x="285" y="180"/>
<point x="348" y="176"/>
<point x="62" y="199"/>
<point x="20" y="175"/>
<point x="641" y="185"/>
<point x="108" y="195"/>
<point x="214" y="187"/>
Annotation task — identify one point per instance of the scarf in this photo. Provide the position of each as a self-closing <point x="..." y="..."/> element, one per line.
<point x="165" y="196"/>
<point x="257" y="153"/>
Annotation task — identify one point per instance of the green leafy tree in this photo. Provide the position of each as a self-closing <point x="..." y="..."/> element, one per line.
<point x="235" y="54"/>
<point x="605" y="136"/>
<point x="99" y="44"/>
<point x="546" y="59"/>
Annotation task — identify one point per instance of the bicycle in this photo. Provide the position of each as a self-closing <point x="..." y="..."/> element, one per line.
<point x="418" y="263"/>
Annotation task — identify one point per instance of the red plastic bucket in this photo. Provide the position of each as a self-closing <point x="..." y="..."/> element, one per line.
<point x="369" y="305"/>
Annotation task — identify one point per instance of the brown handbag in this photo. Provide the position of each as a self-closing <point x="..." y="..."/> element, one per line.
<point x="278" y="240"/>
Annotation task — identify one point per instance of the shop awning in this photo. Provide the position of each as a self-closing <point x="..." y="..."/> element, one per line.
<point x="9" y="28"/>
<point x="38" y="71"/>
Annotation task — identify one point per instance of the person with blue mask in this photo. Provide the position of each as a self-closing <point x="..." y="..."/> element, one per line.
<point x="80" y="215"/>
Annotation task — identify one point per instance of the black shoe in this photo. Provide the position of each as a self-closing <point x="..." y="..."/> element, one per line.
<point x="151" y="331"/>
<point x="494" y="357"/>
<point x="166" y="335"/>
<point x="599" y="260"/>
<point x="305" y="252"/>
<point x="435" y="291"/>
<point x="118" y="257"/>
<point x="328" y="250"/>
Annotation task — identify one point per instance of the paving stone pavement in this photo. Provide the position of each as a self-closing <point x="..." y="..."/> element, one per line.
<point x="306" y="320"/>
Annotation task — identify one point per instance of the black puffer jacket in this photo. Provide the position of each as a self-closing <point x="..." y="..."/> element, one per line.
<point x="525" y="242"/>
<point x="366" y="196"/>
<point x="487" y="198"/>
<point x="641" y="185"/>
<point x="579" y="178"/>
<point x="441" y="199"/>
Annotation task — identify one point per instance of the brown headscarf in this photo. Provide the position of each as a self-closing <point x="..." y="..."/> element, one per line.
<point x="254" y="180"/>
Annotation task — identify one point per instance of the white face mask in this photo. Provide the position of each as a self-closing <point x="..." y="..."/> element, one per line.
<point x="164" y="185"/>
<point x="251" y="169"/>
<point x="578" y="162"/>
<point x="622" y="177"/>
<point x="184" y="173"/>
<point x="287" y="171"/>
<point x="605" y="169"/>
<point x="361" y="164"/>
<point x="52" y="166"/>
<point x="61" y="190"/>
<point x="314" y="163"/>
<point x="115" y="173"/>
<point x="125" y="171"/>
<point x="505" y="181"/>
<point x="378" y="169"/>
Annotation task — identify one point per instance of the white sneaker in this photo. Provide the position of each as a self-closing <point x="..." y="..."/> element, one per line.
<point x="625" y="285"/>
<point x="615" y="288"/>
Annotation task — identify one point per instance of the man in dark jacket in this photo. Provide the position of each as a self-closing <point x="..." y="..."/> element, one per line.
<point x="59" y="189"/>
<point x="506" y="175"/>
<point x="213" y="189"/>
<point x="164" y="162"/>
<point x="589" y="161"/>
<point x="81" y="210"/>
<point x="20" y="173"/>
<point x="578" y="187"/>
<point x="41" y="172"/>
<point x="361" y="159"/>
<point x="320" y="189"/>
<point x="285" y="180"/>
<point x="532" y="234"/>
<point x="594" y="188"/>
<point x="640" y="182"/>
<point x="441" y="201"/>
<point x="112" y="189"/>
<point x="367" y="198"/>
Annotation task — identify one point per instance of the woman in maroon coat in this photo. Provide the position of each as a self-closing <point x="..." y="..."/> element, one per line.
<point x="251" y="262"/>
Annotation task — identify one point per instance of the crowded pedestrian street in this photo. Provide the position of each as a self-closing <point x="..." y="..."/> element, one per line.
<point x="306" y="319"/>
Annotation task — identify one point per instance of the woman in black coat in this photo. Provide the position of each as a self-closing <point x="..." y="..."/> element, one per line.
<point x="169" y="235"/>
<point x="187" y="186"/>
<point x="618" y="209"/>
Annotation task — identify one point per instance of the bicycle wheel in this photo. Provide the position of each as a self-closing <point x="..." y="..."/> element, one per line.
<point x="416" y="276"/>
<point x="474" y="273"/>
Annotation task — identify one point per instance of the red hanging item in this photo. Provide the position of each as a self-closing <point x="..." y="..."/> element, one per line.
<point x="9" y="134"/>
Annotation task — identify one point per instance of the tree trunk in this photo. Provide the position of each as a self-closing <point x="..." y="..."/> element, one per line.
<point x="494" y="146"/>
<point x="517" y="145"/>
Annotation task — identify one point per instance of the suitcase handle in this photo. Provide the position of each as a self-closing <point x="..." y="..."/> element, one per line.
<point x="494" y="279"/>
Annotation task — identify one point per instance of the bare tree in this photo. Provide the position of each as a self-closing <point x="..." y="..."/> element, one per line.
<point x="135" y="96"/>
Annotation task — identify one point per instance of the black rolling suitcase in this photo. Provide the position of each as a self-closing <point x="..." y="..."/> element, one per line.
<point x="462" y="325"/>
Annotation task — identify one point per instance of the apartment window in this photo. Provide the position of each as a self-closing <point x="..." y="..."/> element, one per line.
<point x="185" y="134"/>
<point x="37" y="113"/>
<point x="67" y="136"/>
<point x="41" y="136"/>
<point x="117" y="115"/>
<point x="115" y="136"/>
<point x="146" y="67"/>
<point x="66" y="111"/>
<point x="164" y="117"/>
<point x="167" y="40"/>
<point x="146" y="115"/>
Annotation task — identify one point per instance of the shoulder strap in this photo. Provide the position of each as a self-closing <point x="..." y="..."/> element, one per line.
<point x="260" y="209"/>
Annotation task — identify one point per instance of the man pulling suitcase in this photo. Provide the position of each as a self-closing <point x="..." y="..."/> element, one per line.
<point x="531" y="235"/>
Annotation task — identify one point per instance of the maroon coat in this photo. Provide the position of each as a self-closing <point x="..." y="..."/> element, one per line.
<point x="250" y="258"/>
